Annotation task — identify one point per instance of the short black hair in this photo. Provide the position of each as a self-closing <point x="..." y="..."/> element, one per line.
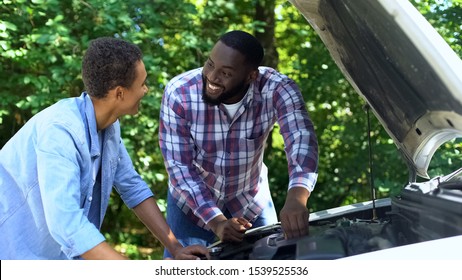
<point x="108" y="63"/>
<point x="246" y="44"/>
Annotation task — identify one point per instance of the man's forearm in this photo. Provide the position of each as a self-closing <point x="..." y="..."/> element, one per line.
<point x="151" y="216"/>
<point x="298" y="194"/>
<point x="102" y="251"/>
<point x="214" y="223"/>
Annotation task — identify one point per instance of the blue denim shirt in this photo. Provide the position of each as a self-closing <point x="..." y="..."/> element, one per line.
<point x="46" y="182"/>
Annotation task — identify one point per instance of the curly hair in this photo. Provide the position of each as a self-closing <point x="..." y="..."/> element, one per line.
<point x="246" y="44"/>
<point x="108" y="63"/>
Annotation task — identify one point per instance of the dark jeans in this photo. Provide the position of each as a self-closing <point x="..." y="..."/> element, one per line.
<point x="188" y="233"/>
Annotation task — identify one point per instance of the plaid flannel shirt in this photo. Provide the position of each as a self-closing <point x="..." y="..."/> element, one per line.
<point x="215" y="163"/>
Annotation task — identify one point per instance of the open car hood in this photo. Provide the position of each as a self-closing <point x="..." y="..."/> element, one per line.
<point x="400" y="65"/>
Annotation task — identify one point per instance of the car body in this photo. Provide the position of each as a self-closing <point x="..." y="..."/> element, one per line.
<point x="412" y="81"/>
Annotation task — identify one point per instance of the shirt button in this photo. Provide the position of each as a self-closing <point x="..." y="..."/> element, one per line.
<point x="90" y="198"/>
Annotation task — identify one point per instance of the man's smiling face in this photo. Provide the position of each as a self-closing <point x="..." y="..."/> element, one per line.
<point x="226" y="76"/>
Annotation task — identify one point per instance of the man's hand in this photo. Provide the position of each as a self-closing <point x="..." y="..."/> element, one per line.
<point x="229" y="229"/>
<point x="294" y="215"/>
<point x="193" y="252"/>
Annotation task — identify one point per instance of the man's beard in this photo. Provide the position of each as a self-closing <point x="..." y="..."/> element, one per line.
<point x="225" y="95"/>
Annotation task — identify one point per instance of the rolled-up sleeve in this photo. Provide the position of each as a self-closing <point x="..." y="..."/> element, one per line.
<point x="178" y="150"/>
<point x="297" y="130"/>
<point x="132" y="188"/>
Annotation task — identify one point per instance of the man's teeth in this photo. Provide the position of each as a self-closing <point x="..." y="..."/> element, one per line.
<point x="212" y="87"/>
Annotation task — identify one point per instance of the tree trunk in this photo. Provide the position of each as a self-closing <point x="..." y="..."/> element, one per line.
<point x="264" y="12"/>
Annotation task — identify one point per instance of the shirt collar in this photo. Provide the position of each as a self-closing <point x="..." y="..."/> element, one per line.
<point x="91" y="124"/>
<point x="250" y="95"/>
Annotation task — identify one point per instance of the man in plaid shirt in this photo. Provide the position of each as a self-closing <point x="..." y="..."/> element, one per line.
<point x="214" y="123"/>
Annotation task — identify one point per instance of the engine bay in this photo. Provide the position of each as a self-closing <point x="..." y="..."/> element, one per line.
<point x="327" y="240"/>
<point x="422" y="212"/>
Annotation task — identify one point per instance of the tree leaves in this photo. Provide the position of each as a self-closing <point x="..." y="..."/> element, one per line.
<point x="42" y="44"/>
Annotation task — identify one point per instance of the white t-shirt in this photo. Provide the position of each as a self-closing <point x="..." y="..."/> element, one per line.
<point x="232" y="108"/>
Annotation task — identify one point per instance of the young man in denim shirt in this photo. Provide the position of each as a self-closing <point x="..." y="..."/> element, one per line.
<point x="57" y="172"/>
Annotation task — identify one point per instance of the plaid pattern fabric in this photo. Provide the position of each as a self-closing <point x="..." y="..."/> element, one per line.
<point x="215" y="162"/>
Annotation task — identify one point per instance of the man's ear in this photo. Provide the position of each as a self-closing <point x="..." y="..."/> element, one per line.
<point x="253" y="75"/>
<point x="119" y="91"/>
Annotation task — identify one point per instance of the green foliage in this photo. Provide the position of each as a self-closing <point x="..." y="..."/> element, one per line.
<point x="42" y="43"/>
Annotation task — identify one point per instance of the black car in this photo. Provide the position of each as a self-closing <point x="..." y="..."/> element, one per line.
<point x="412" y="81"/>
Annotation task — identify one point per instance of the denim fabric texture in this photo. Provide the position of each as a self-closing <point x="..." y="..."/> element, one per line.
<point x="46" y="182"/>
<point x="188" y="233"/>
